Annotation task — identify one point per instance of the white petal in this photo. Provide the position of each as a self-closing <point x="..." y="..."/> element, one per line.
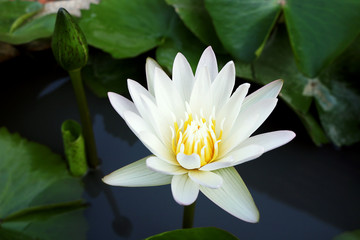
<point x="237" y="135"/>
<point x="223" y="85"/>
<point x="237" y="156"/>
<point x="188" y="161"/>
<point x="136" y="174"/>
<point x="264" y="108"/>
<point x="208" y="60"/>
<point x="231" y="109"/>
<point x="206" y="179"/>
<point x="183" y="76"/>
<point x="161" y="166"/>
<point x="136" y="123"/>
<point x="157" y="147"/>
<point x="247" y="122"/>
<point x="200" y="96"/>
<point x="270" y="140"/>
<point x="136" y="90"/>
<point x="246" y="153"/>
<point x="233" y="196"/>
<point x="159" y="121"/>
<point x="184" y="190"/>
<point x="270" y="90"/>
<point x="167" y="96"/>
<point x="150" y="66"/>
<point x="222" y="163"/>
<point x="121" y="104"/>
<point x="147" y="137"/>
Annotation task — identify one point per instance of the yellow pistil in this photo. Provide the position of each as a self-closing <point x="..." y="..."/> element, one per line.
<point x="196" y="135"/>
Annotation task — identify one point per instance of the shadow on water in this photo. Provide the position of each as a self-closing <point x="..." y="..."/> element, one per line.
<point x="94" y="187"/>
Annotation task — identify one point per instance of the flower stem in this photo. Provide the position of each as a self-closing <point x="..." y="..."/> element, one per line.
<point x="90" y="145"/>
<point x="188" y="217"/>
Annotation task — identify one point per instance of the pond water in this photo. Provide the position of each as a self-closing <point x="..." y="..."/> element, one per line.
<point x="302" y="191"/>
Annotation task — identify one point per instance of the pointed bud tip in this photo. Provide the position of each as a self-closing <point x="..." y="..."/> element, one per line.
<point x="69" y="44"/>
<point x="62" y="11"/>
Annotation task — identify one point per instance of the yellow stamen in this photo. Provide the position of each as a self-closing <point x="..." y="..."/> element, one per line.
<point x="197" y="135"/>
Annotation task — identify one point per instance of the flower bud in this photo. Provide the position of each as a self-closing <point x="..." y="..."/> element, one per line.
<point x="69" y="44"/>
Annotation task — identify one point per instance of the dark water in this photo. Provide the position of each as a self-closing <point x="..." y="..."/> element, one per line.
<point x="302" y="191"/>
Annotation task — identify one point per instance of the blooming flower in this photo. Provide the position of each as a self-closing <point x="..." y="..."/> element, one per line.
<point x="197" y="131"/>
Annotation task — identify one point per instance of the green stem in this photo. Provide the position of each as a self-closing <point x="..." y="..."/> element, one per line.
<point x="90" y="145"/>
<point x="188" y="217"/>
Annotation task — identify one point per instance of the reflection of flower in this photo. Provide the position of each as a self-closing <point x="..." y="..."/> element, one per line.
<point x="197" y="131"/>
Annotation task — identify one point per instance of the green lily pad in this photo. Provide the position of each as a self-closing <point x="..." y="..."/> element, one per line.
<point x="320" y="30"/>
<point x="38" y="197"/>
<point x="334" y="92"/>
<point x="350" y="235"/>
<point x="338" y="110"/>
<point x="126" y="28"/>
<point x="18" y="25"/>
<point x="206" y="233"/>
<point x="337" y="95"/>
<point x="243" y="26"/>
<point x="197" y="19"/>
<point x="277" y="62"/>
<point x="179" y="39"/>
<point x="11" y="13"/>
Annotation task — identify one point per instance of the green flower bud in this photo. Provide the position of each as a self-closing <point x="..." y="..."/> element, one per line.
<point x="69" y="44"/>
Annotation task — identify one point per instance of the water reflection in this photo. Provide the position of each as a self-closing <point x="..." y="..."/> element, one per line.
<point x="121" y="225"/>
<point x="53" y="86"/>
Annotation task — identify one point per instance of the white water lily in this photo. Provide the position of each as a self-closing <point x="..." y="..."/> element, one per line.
<point x="197" y="131"/>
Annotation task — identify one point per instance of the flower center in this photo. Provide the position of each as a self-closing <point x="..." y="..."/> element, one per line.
<point x="196" y="136"/>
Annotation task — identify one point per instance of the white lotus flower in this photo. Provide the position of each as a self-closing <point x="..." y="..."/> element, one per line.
<point x="197" y="132"/>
